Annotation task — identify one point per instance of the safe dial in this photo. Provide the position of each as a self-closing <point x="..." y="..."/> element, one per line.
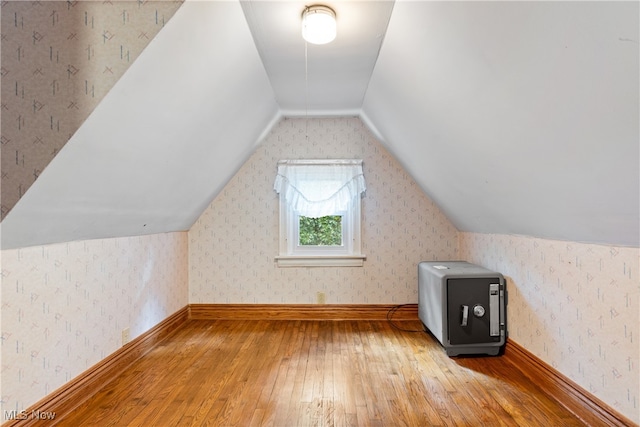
<point x="478" y="310"/>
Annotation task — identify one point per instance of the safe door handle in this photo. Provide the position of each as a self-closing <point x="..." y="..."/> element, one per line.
<point x="494" y="309"/>
<point x="465" y="315"/>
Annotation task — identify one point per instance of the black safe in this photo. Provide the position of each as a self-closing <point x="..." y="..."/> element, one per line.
<point x="464" y="306"/>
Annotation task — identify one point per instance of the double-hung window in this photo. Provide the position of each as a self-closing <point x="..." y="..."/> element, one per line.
<point x="320" y="212"/>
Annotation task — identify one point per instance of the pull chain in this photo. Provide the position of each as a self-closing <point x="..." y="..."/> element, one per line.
<point x="306" y="92"/>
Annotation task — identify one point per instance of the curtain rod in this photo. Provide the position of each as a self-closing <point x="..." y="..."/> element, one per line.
<point x="320" y="162"/>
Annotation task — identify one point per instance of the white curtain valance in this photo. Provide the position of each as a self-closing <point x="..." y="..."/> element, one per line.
<point x="316" y="188"/>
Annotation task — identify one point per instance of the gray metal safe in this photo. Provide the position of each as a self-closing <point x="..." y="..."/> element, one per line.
<point x="464" y="306"/>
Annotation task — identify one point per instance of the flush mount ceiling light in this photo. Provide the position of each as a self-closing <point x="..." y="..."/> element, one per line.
<point x="318" y="24"/>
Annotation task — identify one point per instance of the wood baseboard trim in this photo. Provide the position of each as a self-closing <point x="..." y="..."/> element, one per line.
<point x="303" y="311"/>
<point x="579" y="401"/>
<point x="64" y="400"/>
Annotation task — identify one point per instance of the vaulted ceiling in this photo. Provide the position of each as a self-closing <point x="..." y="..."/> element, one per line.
<point x="514" y="117"/>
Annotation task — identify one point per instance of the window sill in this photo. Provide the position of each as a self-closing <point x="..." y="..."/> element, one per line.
<point x="320" y="261"/>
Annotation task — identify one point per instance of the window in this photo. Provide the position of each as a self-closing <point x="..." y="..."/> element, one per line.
<point x="320" y="212"/>
<point x="323" y="231"/>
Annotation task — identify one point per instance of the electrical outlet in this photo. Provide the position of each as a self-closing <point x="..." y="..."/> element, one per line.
<point x="321" y="298"/>
<point x="126" y="337"/>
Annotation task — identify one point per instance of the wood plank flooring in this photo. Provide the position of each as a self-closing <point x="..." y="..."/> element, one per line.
<point x="315" y="373"/>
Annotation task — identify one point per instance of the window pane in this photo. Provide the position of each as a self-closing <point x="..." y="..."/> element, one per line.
<point x="323" y="231"/>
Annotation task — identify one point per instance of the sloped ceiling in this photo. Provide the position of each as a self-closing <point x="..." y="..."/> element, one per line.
<point x="163" y="141"/>
<point x="514" y="117"/>
<point x="59" y="59"/>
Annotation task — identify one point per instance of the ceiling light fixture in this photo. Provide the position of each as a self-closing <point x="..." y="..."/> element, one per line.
<point x="318" y="24"/>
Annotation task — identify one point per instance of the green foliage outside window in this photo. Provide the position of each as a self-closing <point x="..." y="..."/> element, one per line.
<point x="323" y="231"/>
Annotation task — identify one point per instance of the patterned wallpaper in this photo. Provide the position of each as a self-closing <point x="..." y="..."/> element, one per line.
<point x="233" y="244"/>
<point x="59" y="59"/>
<point x="573" y="305"/>
<point x="64" y="306"/>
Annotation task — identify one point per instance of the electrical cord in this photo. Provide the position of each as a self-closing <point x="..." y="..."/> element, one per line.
<point x="393" y="310"/>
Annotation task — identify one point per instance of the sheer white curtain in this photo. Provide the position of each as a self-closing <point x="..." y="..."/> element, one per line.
<point x="316" y="188"/>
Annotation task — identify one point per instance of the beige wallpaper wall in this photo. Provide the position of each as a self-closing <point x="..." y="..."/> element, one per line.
<point x="59" y="59"/>
<point x="573" y="305"/>
<point x="64" y="306"/>
<point x="233" y="244"/>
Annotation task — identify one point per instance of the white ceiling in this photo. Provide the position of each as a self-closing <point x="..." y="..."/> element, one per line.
<point x="514" y="117"/>
<point x="318" y="80"/>
<point x="517" y="117"/>
<point x="162" y="143"/>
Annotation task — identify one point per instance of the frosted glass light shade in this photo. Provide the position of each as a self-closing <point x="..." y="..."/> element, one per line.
<point x="318" y="24"/>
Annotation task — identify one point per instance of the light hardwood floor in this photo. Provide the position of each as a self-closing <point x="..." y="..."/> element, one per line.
<point x="315" y="373"/>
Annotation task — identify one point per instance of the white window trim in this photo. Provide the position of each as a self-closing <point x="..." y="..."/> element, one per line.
<point x="347" y="255"/>
<point x="321" y="261"/>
